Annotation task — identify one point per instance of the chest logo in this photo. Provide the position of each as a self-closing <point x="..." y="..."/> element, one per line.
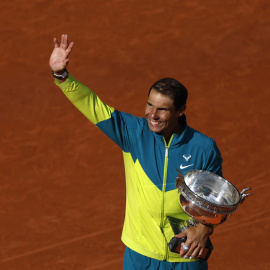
<point x="186" y="157"/>
<point x="183" y="167"/>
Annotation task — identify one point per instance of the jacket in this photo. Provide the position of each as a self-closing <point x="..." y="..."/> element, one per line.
<point x="150" y="170"/>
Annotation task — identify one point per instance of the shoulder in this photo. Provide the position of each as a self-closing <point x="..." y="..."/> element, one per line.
<point x="201" y="141"/>
<point x="130" y="120"/>
<point x="207" y="150"/>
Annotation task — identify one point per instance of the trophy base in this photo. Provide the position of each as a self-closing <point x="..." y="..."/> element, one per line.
<point x="179" y="226"/>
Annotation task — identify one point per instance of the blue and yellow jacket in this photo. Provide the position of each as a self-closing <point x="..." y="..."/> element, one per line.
<point x="150" y="170"/>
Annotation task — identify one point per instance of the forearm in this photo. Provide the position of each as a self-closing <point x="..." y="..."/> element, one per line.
<point x="85" y="100"/>
<point x="73" y="89"/>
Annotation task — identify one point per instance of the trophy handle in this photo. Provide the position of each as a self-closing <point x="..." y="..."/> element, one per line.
<point x="179" y="179"/>
<point x="243" y="196"/>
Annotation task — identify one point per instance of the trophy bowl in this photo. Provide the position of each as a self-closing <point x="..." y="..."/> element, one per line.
<point x="207" y="197"/>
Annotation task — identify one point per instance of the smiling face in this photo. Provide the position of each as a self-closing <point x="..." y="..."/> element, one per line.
<point x="161" y="115"/>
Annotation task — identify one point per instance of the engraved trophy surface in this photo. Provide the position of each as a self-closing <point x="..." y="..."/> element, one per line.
<point x="208" y="199"/>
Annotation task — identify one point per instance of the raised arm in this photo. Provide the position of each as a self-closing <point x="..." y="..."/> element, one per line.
<point x="59" y="57"/>
<point x="88" y="103"/>
<point x="85" y="100"/>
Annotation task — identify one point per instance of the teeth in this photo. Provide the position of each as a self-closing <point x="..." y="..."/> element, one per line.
<point x="155" y="122"/>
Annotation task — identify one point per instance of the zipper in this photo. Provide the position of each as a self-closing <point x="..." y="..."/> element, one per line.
<point x="163" y="193"/>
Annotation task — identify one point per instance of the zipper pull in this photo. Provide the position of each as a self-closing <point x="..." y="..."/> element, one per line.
<point x="167" y="152"/>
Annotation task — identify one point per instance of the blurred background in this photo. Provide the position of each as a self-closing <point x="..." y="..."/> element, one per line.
<point x="62" y="186"/>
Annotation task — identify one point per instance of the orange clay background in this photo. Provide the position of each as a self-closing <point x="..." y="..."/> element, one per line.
<point x="62" y="187"/>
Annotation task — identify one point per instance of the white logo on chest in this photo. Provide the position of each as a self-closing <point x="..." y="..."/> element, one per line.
<point x="186" y="157"/>
<point x="183" y="167"/>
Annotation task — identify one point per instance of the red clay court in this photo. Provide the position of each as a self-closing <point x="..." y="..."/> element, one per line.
<point x="62" y="191"/>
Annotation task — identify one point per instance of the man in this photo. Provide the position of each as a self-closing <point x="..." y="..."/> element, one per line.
<point x="153" y="147"/>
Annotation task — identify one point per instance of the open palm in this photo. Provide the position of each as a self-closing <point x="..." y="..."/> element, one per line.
<point x="59" y="57"/>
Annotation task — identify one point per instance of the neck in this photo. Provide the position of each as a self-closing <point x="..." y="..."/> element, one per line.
<point x="179" y="130"/>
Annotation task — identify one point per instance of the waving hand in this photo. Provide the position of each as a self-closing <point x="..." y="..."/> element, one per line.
<point x="59" y="57"/>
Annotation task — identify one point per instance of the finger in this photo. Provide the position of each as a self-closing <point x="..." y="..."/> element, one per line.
<point x="69" y="48"/>
<point x="184" y="249"/>
<point x="183" y="253"/>
<point x="202" y="253"/>
<point x="56" y="43"/>
<point x="181" y="235"/>
<point x="67" y="39"/>
<point x="193" y="253"/>
<point x="64" y="43"/>
<point x="62" y="38"/>
<point x="66" y="62"/>
<point x="190" y="252"/>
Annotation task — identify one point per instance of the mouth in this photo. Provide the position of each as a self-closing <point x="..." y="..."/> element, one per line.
<point x="155" y="123"/>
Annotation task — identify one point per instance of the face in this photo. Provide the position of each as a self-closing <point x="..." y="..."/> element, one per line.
<point x="161" y="115"/>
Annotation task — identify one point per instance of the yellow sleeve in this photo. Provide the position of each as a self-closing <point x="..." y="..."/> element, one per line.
<point x="85" y="100"/>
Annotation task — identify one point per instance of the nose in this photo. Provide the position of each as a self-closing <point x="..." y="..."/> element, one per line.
<point x="154" y="114"/>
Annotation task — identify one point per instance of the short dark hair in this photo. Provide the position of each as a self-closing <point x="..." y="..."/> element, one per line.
<point x="172" y="88"/>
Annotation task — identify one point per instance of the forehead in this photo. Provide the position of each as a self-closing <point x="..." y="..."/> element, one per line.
<point x="159" y="100"/>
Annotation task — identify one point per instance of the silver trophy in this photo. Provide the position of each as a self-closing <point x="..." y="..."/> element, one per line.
<point x="207" y="198"/>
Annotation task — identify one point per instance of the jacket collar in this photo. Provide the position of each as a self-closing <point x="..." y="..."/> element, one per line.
<point x="176" y="139"/>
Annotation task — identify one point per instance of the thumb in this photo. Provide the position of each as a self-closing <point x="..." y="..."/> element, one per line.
<point x="181" y="235"/>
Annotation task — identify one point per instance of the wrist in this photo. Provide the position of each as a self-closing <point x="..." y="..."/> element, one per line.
<point x="60" y="75"/>
<point x="210" y="228"/>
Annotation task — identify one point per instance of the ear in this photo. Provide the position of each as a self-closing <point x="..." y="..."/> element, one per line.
<point x="182" y="110"/>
